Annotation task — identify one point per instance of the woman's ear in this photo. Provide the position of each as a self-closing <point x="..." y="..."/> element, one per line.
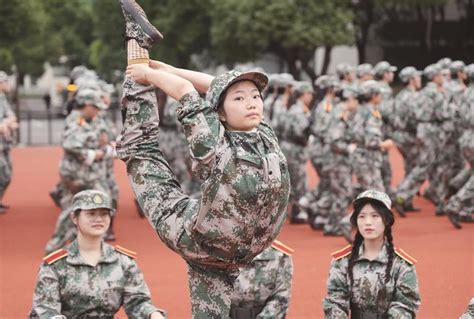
<point x="73" y="217"/>
<point x="221" y="115"/>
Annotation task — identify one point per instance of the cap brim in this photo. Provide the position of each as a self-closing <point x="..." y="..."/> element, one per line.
<point x="100" y="106"/>
<point x="258" y="78"/>
<point x="393" y="68"/>
<point x="370" y="199"/>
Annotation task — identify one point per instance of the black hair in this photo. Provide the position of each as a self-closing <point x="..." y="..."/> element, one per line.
<point x="388" y="219"/>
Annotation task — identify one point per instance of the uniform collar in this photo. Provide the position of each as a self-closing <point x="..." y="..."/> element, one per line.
<point x="382" y="257"/>
<point x="74" y="257"/>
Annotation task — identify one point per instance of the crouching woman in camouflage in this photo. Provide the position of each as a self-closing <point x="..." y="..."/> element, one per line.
<point x="372" y="278"/>
<point x="91" y="278"/>
<point x="245" y="177"/>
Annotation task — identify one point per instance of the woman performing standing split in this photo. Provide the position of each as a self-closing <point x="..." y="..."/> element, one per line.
<point x="372" y="278"/>
<point x="245" y="177"/>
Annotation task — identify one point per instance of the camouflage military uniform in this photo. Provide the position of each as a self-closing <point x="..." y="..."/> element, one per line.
<point x="469" y="314"/>
<point x="244" y="194"/>
<point x="74" y="289"/>
<point x="429" y="115"/>
<point x="368" y="134"/>
<point x="79" y="170"/>
<point x="6" y="142"/>
<point x="399" y="298"/>
<point x="318" y="153"/>
<point x="294" y="138"/>
<point x="465" y="195"/>
<point x="404" y="125"/>
<point x="263" y="289"/>
<point x="340" y="137"/>
<point x="387" y="112"/>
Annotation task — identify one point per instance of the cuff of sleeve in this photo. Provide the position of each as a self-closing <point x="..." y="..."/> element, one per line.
<point x="150" y="312"/>
<point x="90" y="156"/>
<point x="190" y="102"/>
<point x="109" y="151"/>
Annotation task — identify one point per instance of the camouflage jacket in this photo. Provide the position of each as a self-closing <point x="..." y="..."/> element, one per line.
<point x="387" y="109"/>
<point x="245" y="186"/>
<point x="368" y="134"/>
<point x="80" y="141"/>
<point x="431" y="113"/>
<point x="399" y="298"/>
<point x="278" y="114"/>
<point x="340" y="136"/>
<point x="404" y="121"/>
<point x="295" y="126"/>
<point x="266" y="282"/>
<point x="72" y="288"/>
<point x="467" y="110"/>
<point x="5" y="112"/>
<point x="321" y="119"/>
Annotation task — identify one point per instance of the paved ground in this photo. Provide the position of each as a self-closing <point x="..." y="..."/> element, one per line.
<point x="445" y="255"/>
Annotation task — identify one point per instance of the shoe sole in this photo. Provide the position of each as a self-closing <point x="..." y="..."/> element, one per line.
<point x="148" y="28"/>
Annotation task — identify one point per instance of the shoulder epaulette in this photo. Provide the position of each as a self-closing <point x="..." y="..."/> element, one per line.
<point x="126" y="252"/>
<point x="346" y="251"/>
<point x="81" y="121"/>
<point x="402" y="254"/>
<point x="278" y="245"/>
<point x="377" y="114"/>
<point x="55" y="256"/>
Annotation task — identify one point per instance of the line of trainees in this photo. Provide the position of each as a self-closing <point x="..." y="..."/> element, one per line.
<point x="227" y="234"/>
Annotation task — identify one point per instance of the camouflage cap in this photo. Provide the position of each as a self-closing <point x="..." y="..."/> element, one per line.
<point x="302" y="87"/>
<point x="343" y="69"/>
<point x="77" y="72"/>
<point x="408" y="73"/>
<point x="91" y="199"/>
<point x="470" y="71"/>
<point x="90" y="96"/>
<point x="286" y="79"/>
<point x="363" y="69"/>
<point x="3" y="76"/>
<point x="326" y="81"/>
<point x="457" y="66"/>
<point x="374" y="195"/>
<point x="273" y="79"/>
<point x="444" y="63"/>
<point x="383" y="66"/>
<point x="350" y="91"/>
<point x="222" y="82"/>
<point x="431" y="71"/>
<point x="370" y="87"/>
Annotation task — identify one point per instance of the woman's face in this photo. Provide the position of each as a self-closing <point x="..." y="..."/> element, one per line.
<point x="370" y="224"/>
<point x="89" y="111"/>
<point x="352" y="103"/>
<point x="306" y="98"/>
<point x="376" y="99"/>
<point x="92" y="222"/>
<point x="243" y="107"/>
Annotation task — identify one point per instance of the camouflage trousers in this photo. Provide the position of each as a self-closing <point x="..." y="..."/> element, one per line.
<point x="65" y="230"/>
<point x="386" y="171"/>
<point x="367" y="172"/>
<point x="171" y="213"/>
<point x="5" y="171"/>
<point x="341" y="197"/>
<point x="412" y="182"/>
<point x="296" y="159"/>
<point x="409" y="153"/>
<point x="463" y="199"/>
<point x="448" y="164"/>
<point x="318" y="155"/>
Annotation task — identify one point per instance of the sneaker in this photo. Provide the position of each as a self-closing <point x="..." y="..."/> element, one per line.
<point x="4" y="206"/>
<point x="411" y="208"/>
<point x="137" y="25"/>
<point x="3" y="210"/>
<point x="454" y="219"/>
<point x="466" y="219"/>
<point x="298" y="216"/>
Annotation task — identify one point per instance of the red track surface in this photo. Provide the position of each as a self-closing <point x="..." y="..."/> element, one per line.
<point x="445" y="255"/>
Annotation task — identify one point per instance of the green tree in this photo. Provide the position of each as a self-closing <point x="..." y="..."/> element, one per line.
<point x="292" y="29"/>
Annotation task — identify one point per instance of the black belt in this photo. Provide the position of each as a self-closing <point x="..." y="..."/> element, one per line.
<point x="357" y="313"/>
<point x="245" y="311"/>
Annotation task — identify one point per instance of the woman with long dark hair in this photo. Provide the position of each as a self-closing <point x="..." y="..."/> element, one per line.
<point x="372" y="278"/>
